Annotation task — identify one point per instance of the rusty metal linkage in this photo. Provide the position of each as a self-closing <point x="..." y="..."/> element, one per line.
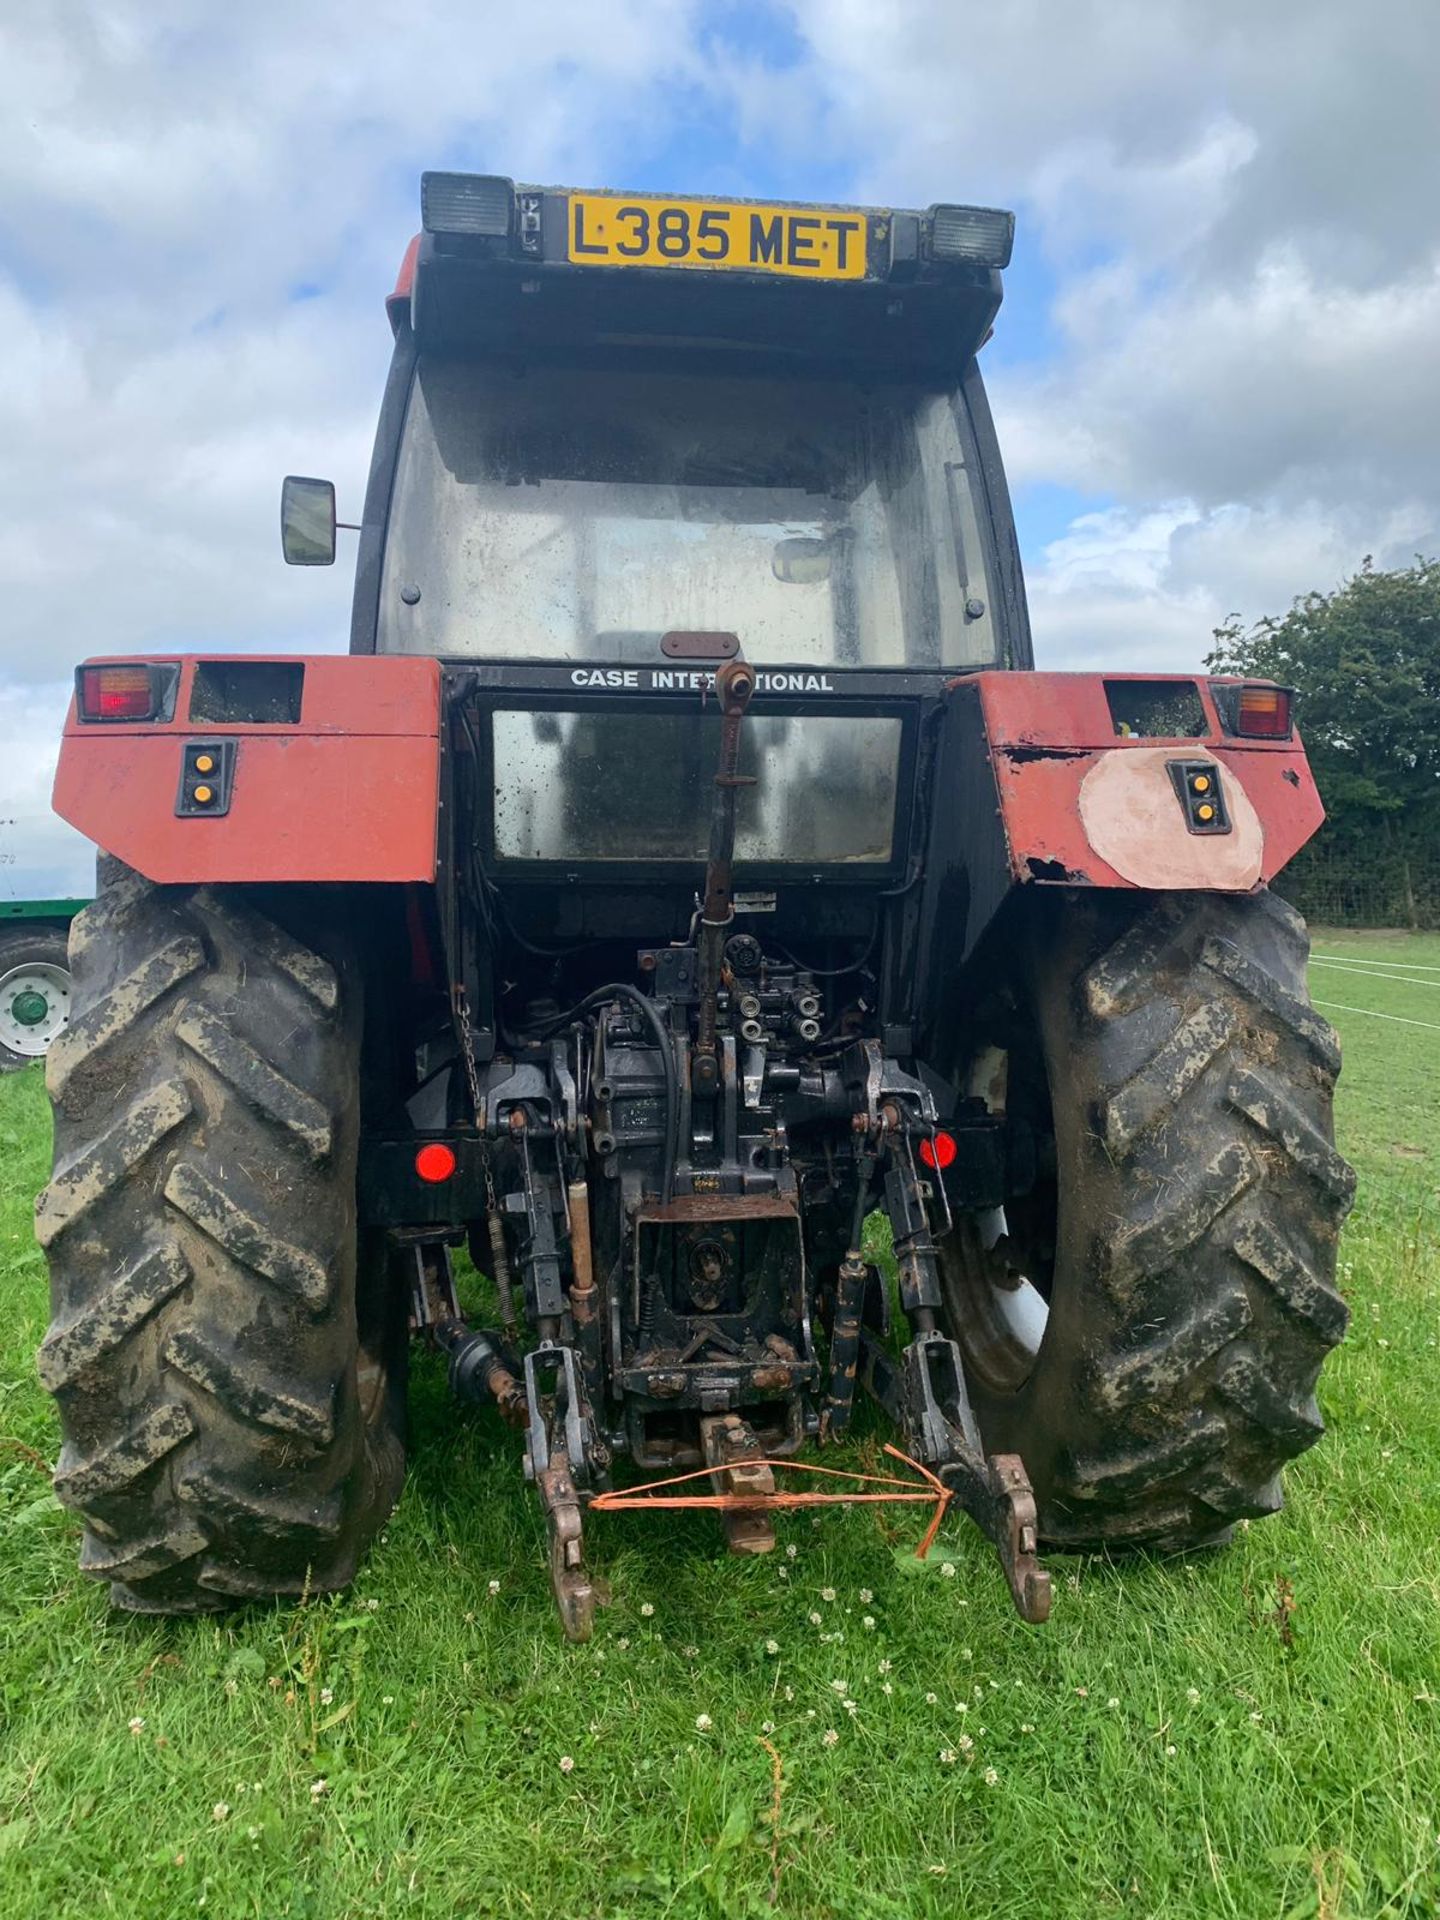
<point x="734" y="684"/>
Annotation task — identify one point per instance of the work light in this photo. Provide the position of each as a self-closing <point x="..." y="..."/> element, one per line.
<point x="983" y="236"/>
<point x="474" y="203"/>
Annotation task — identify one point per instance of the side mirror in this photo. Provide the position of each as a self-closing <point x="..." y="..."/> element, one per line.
<point x="307" y="522"/>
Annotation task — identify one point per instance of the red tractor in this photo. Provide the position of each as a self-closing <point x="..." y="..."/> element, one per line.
<point x="685" y="865"/>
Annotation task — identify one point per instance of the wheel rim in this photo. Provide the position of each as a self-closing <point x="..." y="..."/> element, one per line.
<point x="34" y="1007"/>
<point x="997" y="1313"/>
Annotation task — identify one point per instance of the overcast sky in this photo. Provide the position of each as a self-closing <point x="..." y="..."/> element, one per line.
<point x="1216" y="375"/>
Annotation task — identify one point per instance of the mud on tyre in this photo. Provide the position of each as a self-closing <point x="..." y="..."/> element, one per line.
<point x="226" y="1381"/>
<point x="1149" y="1333"/>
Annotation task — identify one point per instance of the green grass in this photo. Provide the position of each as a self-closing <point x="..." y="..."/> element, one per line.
<point x="1252" y="1734"/>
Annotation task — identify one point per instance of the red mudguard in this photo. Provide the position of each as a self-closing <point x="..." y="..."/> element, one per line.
<point x="1081" y="807"/>
<point x="348" y="792"/>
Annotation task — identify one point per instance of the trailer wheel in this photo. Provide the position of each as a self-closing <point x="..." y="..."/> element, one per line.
<point x="1148" y="1331"/>
<point x="230" y="1413"/>
<point x="34" y="994"/>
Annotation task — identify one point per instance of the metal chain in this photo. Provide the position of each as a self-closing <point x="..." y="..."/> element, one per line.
<point x="472" y="1075"/>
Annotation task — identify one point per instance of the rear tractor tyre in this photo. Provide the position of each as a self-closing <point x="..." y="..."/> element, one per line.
<point x="1149" y="1333"/>
<point x="229" y="1412"/>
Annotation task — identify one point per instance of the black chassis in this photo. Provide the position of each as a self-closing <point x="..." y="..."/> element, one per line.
<point x="673" y="1249"/>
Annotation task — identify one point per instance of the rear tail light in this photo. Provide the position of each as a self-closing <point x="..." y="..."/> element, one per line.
<point x="1255" y="712"/>
<point x="939" y="1152"/>
<point x="1263" y="713"/>
<point x="435" y="1163"/>
<point x="137" y="691"/>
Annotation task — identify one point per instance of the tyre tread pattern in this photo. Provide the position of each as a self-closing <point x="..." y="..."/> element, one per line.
<point x="205" y="1102"/>
<point x="1204" y="1298"/>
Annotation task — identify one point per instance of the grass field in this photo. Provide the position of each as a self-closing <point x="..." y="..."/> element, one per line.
<point x="1253" y="1734"/>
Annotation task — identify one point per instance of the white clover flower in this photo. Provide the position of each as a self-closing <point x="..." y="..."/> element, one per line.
<point x="567" y="1763"/>
<point x="816" y="1620"/>
<point x="622" y="1644"/>
<point x="319" y="1788"/>
<point x="948" y="1756"/>
<point x="327" y="1696"/>
<point x="868" y="1623"/>
<point x="373" y="1605"/>
<point x="992" y="1778"/>
<point x="220" y="1811"/>
<point x="827" y="1594"/>
<point x="1112" y="1701"/>
<point x="647" y="1609"/>
<point x="767" y="1726"/>
<point x="493" y="1588"/>
<point x="772" y="1646"/>
<point x="838" y="1686"/>
<point x="703" y="1723"/>
<point x="1026" y="1727"/>
<point x="885" y="1687"/>
<point x="866" y="1596"/>
<point x="885" y="1666"/>
<point x="932" y="1699"/>
<point x="232" y="1687"/>
<point x="387" y="1699"/>
<point x="784" y="1572"/>
<point x="791" y="1551"/>
<point x="1192" y="1694"/>
<point x="948" y="1569"/>
<point x="850" y="1706"/>
<point x="962" y="1706"/>
<point x="790" y="1693"/>
<point x="830" y="1738"/>
<point x="965" y="1743"/>
<point x="1083" y="1693"/>
<point x="137" y="1725"/>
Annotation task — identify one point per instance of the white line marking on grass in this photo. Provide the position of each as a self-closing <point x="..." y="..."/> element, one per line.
<point x="1399" y="1018"/>
<point x="1366" y="960"/>
<point x="1368" y="973"/>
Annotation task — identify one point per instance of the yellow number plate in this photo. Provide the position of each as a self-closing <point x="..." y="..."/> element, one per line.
<point x="812" y="243"/>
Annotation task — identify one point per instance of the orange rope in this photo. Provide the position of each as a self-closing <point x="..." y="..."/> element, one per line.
<point x="651" y="1494"/>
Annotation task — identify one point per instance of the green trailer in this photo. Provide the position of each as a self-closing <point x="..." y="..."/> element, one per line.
<point x="35" y="921"/>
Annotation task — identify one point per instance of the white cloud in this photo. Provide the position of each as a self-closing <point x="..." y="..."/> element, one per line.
<point x="201" y="208"/>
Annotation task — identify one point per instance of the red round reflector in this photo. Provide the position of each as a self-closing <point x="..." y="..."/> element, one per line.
<point x="939" y="1152"/>
<point x="435" y="1162"/>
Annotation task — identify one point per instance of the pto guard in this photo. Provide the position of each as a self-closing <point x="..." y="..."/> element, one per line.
<point x="348" y="792"/>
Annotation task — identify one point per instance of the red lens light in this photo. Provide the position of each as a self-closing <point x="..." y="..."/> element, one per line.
<point x="1263" y="713"/>
<point x="939" y="1152"/>
<point x="117" y="693"/>
<point x="435" y="1162"/>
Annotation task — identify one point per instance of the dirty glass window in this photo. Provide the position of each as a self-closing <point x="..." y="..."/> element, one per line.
<point x="616" y="785"/>
<point x="565" y="514"/>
